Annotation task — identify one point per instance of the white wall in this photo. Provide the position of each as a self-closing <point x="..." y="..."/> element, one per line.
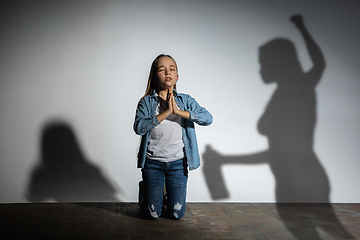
<point x="78" y="68"/>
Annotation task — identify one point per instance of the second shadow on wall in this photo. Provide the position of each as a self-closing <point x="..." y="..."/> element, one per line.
<point x="63" y="174"/>
<point x="288" y="122"/>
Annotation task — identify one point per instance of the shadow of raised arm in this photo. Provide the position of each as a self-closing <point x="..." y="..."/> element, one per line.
<point x="316" y="55"/>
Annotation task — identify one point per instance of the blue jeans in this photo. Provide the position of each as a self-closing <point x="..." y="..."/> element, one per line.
<point x="155" y="174"/>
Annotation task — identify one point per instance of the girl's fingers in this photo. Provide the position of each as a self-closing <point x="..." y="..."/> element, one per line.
<point x="170" y="104"/>
<point x="173" y="104"/>
<point x="171" y="101"/>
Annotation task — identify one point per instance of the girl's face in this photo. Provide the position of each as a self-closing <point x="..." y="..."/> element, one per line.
<point x="166" y="73"/>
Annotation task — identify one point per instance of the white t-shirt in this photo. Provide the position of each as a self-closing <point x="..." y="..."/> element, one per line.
<point x="165" y="142"/>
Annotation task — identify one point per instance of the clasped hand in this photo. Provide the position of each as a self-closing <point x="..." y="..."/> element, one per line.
<point x="171" y="105"/>
<point x="172" y="108"/>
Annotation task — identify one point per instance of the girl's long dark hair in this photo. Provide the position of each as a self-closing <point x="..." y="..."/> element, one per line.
<point x="152" y="81"/>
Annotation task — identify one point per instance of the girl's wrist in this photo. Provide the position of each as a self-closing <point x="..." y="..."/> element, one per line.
<point x="168" y="112"/>
<point x="164" y="115"/>
<point x="183" y="114"/>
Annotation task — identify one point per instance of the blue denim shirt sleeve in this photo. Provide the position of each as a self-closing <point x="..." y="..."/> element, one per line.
<point x="145" y="118"/>
<point x="198" y="114"/>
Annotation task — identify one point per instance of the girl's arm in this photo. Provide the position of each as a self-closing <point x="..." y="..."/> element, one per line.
<point x="175" y="110"/>
<point x="144" y="121"/>
<point x="197" y="113"/>
<point x="161" y="117"/>
<point x="183" y="114"/>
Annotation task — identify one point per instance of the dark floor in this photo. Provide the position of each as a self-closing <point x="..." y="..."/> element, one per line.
<point x="201" y="221"/>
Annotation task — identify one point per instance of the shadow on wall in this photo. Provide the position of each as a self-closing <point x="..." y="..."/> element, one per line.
<point x="63" y="173"/>
<point x="289" y="123"/>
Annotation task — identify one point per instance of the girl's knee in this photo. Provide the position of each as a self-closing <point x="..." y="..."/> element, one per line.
<point x="178" y="211"/>
<point x="151" y="212"/>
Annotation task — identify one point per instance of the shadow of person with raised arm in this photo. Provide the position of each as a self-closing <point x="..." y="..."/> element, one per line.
<point x="63" y="174"/>
<point x="288" y="122"/>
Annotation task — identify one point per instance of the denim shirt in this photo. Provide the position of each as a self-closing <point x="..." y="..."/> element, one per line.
<point x="145" y="120"/>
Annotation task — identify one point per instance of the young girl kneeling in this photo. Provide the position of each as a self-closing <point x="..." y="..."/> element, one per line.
<point x="165" y="120"/>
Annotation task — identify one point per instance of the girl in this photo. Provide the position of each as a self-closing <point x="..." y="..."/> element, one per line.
<point x="165" y="120"/>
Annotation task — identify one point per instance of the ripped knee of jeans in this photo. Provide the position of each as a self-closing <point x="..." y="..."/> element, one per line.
<point x="152" y="211"/>
<point x="177" y="213"/>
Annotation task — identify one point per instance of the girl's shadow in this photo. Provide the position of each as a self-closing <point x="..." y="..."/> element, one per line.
<point x="288" y="122"/>
<point x="63" y="174"/>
